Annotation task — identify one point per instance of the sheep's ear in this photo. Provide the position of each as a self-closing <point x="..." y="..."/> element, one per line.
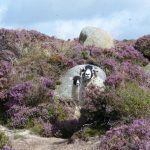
<point x="95" y="72"/>
<point x="95" y="69"/>
<point x="82" y="70"/>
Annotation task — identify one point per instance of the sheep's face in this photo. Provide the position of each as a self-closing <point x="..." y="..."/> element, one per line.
<point x="88" y="74"/>
<point x="77" y="80"/>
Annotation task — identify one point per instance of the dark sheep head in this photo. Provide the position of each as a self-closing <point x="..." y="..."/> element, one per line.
<point x="77" y="80"/>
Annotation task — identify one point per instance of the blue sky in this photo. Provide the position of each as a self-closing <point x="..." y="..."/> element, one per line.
<point x="125" y="19"/>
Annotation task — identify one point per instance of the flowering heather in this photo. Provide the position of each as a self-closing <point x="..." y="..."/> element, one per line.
<point x="49" y="130"/>
<point x="114" y="79"/>
<point x="27" y="85"/>
<point x="111" y="65"/>
<point x="126" y="137"/>
<point x="16" y="40"/>
<point x="5" y="68"/>
<point x="78" y="47"/>
<point x="134" y="72"/>
<point x="47" y="83"/>
<point x="124" y="72"/>
<point x="2" y="95"/>
<point x="18" y="93"/>
<point x="143" y="45"/>
<point x="127" y="52"/>
<point x="121" y="103"/>
<point x="71" y="63"/>
<point x="24" y="99"/>
<point x="7" y="55"/>
<point x="20" y="115"/>
<point x="7" y="147"/>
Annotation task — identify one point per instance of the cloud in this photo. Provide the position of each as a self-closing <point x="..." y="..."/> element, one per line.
<point x="27" y="11"/>
<point x="122" y="25"/>
<point x="3" y="9"/>
<point x="33" y="11"/>
<point x="65" y="19"/>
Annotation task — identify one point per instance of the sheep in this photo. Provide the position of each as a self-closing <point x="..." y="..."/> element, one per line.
<point x="89" y="76"/>
<point x="87" y="72"/>
<point x="77" y="80"/>
<point x="76" y="91"/>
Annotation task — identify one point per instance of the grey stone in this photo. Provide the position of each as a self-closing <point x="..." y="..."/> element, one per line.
<point x="64" y="90"/>
<point x="90" y="36"/>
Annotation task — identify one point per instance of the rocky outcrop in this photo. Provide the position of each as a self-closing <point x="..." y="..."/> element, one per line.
<point x="90" y="36"/>
<point x="64" y="90"/>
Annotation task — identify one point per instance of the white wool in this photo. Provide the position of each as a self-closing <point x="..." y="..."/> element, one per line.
<point x="88" y="73"/>
<point x="78" y="82"/>
<point x="97" y="81"/>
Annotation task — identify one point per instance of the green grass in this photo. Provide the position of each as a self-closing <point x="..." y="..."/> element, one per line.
<point x="134" y="101"/>
<point x="4" y="140"/>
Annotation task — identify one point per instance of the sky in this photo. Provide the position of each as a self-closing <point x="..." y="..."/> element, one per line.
<point x="124" y="19"/>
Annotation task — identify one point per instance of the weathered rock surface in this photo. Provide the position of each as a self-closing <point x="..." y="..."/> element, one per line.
<point x="64" y="90"/>
<point x="90" y="36"/>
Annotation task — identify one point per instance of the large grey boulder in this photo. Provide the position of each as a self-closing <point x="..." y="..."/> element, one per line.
<point x="64" y="90"/>
<point x="90" y="36"/>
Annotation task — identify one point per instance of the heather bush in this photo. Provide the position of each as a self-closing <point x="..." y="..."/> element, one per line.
<point x="125" y="71"/>
<point x="5" y="69"/>
<point x="125" y="103"/>
<point x="24" y="100"/>
<point x="31" y="93"/>
<point x="48" y="130"/>
<point x="22" y="41"/>
<point x="7" y="147"/>
<point x="110" y="65"/>
<point x="143" y="45"/>
<point x="135" y="101"/>
<point x="31" y="64"/>
<point x="126" y="137"/>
